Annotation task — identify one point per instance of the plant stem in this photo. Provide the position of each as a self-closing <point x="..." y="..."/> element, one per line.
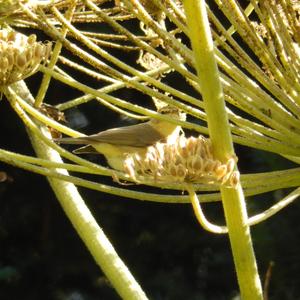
<point x="90" y="232"/>
<point x="200" y="214"/>
<point x="85" y="224"/>
<point x="218" y="125"/>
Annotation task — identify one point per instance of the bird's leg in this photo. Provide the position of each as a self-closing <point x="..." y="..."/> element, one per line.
<point x="116" y="179"/>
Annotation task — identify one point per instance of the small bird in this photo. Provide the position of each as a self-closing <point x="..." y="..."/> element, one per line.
<point x="116" y="143"/>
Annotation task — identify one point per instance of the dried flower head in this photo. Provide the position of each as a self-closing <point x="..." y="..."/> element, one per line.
<point x="55" y="114"/>
<point x="150" y="61"/>
<point x="20" y="56"/>
<point x="185" y="160"/>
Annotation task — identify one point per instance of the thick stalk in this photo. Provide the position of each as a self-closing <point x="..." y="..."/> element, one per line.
<point x="232" y="197"/>
<point x="90" y="232"/>
<point x="85" y="224"/>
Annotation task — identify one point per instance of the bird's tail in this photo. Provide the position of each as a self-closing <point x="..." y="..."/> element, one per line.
<point x="75" y="141"/>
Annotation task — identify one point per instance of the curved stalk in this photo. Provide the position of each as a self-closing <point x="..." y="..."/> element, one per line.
<point x="90" y="232"/>
<point x="275" y="208"/>
<point x="200" y="214"/>
<point x="86" y="226"/>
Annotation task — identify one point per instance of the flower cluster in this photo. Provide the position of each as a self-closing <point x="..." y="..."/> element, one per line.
<point x="20" y="56"/>
<point x="186" y="160"/>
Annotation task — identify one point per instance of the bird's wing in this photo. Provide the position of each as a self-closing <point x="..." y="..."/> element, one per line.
<point x="140" y="135"/>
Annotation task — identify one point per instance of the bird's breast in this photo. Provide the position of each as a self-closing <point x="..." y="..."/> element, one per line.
<point x="116" y="155"/>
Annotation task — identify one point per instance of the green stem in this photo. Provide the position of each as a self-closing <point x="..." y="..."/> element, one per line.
<point x="232" y="197"/>
<point x="85" y="224"/>
<point x="56" y="52"/>
<point x="119" y="102"/>
<point x="200" y="214"/>
<point x="90" y="232"/>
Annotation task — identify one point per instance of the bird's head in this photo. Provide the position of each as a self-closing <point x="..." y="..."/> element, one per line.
<point x="172" y="112"/>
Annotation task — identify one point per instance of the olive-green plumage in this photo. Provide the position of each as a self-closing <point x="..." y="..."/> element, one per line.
<point x="115" y="144"/>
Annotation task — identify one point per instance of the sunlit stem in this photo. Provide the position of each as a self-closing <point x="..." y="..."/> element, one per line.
<point x="83" y="221"/>
<point x="200" y="214"/>
<point x="219" y="130"/>
<point x="274" y="209"/>
<point x="56" y="52"/>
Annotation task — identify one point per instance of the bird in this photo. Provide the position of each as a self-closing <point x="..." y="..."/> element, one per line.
<point x="117" y="143"/>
